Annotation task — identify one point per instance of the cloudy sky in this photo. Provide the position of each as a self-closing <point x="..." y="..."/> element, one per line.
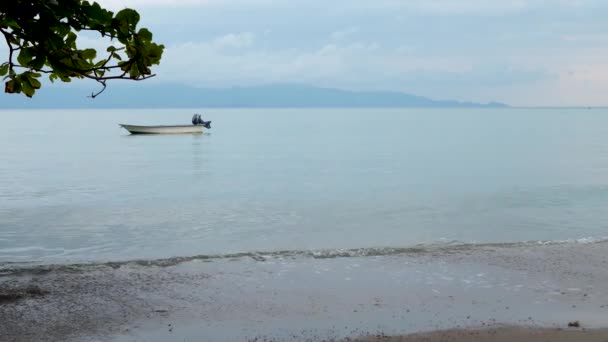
<point x="522" y="52"/>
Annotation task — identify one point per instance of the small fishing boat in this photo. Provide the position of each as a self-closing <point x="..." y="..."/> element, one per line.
<point x="197" y="127"/>
<point x="179" y="129"/>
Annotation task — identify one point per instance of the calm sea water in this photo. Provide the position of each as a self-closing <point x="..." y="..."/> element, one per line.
<point x="76" y="187"/>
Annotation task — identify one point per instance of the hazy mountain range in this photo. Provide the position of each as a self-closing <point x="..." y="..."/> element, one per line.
<point x="271" y="96"/>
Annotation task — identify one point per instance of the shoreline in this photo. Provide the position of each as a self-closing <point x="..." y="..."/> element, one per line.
<point x="294" y="297"/>
<point x="13" y="268"/>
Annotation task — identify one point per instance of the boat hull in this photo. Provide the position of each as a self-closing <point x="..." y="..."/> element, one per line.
<point x="179" y="129"/>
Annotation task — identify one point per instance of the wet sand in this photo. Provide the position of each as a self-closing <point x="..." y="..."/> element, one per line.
<point x="299" y="297"/>
<point x="498" y="334"/>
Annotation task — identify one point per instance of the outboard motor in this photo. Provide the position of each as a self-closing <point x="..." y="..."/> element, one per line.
<point x="197" y="120"/>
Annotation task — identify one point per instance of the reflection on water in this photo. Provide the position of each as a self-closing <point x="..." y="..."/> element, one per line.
<point x="197" y="157"/>
<point x="78" y="188"/>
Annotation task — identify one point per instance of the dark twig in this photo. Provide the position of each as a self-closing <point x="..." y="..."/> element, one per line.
<point x="10" y="48"/>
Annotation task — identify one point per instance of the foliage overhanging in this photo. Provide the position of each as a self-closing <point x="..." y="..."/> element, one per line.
<point x="41" y="36"/>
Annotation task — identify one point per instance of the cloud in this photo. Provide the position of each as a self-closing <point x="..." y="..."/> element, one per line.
<point x="345" y="33"/>
<point x="459" y="7"/>
<point x="232" y="40"/>
<point x="171" y="4"/>
<point x="119" y="4"/>
<point x="361" y="65"/>
<point x="441" y="6"/>
<point x="357" y="65"/>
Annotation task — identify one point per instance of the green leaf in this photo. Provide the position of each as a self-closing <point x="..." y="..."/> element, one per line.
<point x="134" y="71"/>
<point x="62" y="29"/>
<point x="129" y="17"/>
<point x="59" y="69"/>
<point x="34" y="82"/>
<point x="38" y="62"/>
<point x="55" y="42"/>
<point x="3" y="69"/>
<point x="28" y="90"/>
<point x="155" y="52"/>
<point x="25" y="56"/>
<point x="145" y="34"/>
<point x="89" y="53"/>
<point x="71" y="40"/>
<point x="10" y="23"/>
<point x="95" y="12"/>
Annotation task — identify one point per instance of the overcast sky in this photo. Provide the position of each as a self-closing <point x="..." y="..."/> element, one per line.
<point x="522" y="52"/>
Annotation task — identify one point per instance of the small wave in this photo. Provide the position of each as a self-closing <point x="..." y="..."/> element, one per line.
<point x="583" y="240"/>
<point x="16" y="268"/>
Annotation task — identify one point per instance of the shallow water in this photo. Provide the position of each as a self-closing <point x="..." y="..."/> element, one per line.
<point x="75" y="187"/>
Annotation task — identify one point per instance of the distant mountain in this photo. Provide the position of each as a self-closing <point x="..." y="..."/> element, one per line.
<point x="272" y="96"/>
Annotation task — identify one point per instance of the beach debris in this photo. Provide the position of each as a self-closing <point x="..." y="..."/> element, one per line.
<point x="574" y="324"/>
<point x="13" y="294"/>
<point x="258" y="257"/>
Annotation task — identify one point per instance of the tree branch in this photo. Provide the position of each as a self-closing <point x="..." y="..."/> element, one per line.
<point x="10" y="48"/>
<point x="34" y="69"/>
<point x="94" y="95"/>
<point x="103" y="82"/>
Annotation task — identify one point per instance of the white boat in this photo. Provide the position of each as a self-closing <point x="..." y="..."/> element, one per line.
<point x="178" y="129"/>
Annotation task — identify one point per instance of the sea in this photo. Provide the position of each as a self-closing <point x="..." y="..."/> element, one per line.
<point x="77" y="188"/>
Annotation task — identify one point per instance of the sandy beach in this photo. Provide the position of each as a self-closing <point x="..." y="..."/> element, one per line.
<point x="341" y="296"/>
<point x="498" y="334"/>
